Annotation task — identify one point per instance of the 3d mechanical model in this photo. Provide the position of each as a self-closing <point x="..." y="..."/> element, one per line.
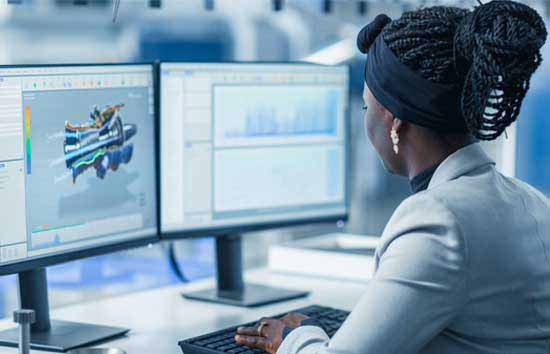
<point x="101" y="143"/>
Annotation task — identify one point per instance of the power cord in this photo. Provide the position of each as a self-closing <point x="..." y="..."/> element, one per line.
<point x="174" y="265"/>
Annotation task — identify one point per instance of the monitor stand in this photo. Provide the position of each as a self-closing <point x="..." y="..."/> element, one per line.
<point x="56" y="336"/>
<point x="231" y="289"/>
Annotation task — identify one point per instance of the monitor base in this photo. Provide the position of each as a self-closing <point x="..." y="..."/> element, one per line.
<point x="230" y="286"/>
<point x="252" y="295"/>
<point x="63" y="336"/>
<point x="48" y="335"/>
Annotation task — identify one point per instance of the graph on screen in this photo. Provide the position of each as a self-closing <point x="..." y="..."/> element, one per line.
<point x="267" y="114"/>
<point x="277" y="177"/>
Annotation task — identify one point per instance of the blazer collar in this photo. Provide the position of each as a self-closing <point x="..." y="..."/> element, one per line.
<point x="460" y="163"/>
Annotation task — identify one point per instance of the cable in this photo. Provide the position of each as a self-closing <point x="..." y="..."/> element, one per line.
<point x="174" y="265"/>
<point x="116" y="5"/>
<point x="327" y="6"/>
<point x="362" y="7"/>
<point x="209" y="5"/>
<point x="157" y="4"/>
<point x="277" y="5"/>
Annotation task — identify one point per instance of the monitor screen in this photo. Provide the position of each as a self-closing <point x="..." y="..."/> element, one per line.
<point x="77" y="159"/>
<point x="252" y="144"/>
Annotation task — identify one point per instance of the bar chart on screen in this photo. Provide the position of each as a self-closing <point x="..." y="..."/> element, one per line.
<point x="244" y="116"/>
<point x="271" y="141"/>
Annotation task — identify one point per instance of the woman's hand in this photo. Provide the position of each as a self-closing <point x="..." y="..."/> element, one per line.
<point x="268" y="334"/>
<point x="293" y="319"/>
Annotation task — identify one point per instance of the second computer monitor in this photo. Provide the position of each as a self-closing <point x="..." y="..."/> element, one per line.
<point x="252" y="145"/>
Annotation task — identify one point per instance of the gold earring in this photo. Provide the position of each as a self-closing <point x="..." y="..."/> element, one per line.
<point x="395" y="140"/>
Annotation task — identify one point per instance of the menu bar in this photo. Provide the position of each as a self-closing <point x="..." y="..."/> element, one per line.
<point x="77" y="69"/>
<point x="68" y="82"/>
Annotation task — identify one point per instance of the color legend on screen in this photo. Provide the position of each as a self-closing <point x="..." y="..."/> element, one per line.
<point x="28" y="137"/>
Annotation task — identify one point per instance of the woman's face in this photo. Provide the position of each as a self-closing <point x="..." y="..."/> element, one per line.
<point x="378" y="125"/>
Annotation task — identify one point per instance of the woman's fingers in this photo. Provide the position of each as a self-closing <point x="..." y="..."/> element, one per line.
<point x="248" y="331"/>
<point x="252" y="341"/>
<point x="268" y="340"/>
<point x="253" y="331"/>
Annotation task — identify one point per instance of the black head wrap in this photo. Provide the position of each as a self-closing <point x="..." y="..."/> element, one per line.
<point x="402" y="91"/>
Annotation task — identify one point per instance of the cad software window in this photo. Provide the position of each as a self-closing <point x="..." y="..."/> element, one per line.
<point x="77" y="158"/>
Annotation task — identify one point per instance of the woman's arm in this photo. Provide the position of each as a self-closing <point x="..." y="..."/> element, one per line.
<point x="418" y="288"/>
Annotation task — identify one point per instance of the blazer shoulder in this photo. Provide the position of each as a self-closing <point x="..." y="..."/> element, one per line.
<point x="424" y="231"/>
<point x="421" y="209"/>
<point x="532" y="191"/>
<point x="424" y="212"/>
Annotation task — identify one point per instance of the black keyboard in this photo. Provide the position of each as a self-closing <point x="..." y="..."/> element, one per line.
<point x="224" y="341"/>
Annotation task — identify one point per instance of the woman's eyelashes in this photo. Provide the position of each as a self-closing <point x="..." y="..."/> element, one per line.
<point x="365" y="108"/>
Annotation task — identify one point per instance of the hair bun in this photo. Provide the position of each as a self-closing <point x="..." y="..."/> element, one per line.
<point x="500" y="42"/>
<point x="368" y="34"/>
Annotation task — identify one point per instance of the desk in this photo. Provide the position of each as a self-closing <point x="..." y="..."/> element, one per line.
<point x="159" y="318"/>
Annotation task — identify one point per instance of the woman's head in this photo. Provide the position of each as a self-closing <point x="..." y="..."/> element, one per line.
<point x="487" y="54"/>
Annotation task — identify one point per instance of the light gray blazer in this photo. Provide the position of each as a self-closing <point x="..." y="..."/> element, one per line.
<point x="463" y="268"/>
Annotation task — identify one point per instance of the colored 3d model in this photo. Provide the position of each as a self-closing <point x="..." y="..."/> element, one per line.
<point x="101" y="143"/>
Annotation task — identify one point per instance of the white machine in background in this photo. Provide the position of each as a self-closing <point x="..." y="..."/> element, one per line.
<point x="336" y="255"/>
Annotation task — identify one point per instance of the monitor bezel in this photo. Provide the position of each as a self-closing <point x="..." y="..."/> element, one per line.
<point x="18" y="266"/>
<point x="220" y="231"/>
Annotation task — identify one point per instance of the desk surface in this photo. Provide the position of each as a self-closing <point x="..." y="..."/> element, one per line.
<point x="159" y="318"/>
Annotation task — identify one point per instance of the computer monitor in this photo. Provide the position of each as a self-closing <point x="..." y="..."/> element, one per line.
<point x="77" y="178"/>
<point x="247" y="146"/>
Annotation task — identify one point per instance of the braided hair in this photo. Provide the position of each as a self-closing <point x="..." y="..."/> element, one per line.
<point x="491" y="52"/>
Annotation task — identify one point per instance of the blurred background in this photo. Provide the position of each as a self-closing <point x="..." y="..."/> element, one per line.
<point x="85" y="31"/>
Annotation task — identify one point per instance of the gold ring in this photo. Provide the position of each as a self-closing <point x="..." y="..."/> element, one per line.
<point x="261" y="327"/>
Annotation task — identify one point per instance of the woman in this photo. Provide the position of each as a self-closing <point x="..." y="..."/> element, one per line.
<point x="464" y="264"/>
